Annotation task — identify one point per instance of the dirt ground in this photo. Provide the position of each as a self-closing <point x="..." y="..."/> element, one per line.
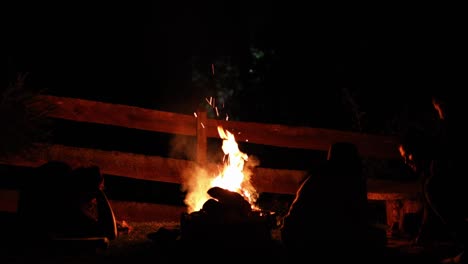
<point x="145" y="243"/>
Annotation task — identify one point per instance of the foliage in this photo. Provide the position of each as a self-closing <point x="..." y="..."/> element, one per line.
<point x="23" y="116"/>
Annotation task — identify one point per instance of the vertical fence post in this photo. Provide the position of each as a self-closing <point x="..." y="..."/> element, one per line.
<point x="201" y="136"/>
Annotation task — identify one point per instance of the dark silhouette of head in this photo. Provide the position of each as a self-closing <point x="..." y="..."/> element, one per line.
<point x="416" y="148"/>
<point x="54" y="167"/>
<point x="52" y="172"/>
<point x="88" y="178"/>
<point x="345" y="156"/>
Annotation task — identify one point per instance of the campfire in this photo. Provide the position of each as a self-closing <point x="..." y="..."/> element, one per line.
<point x="233" y="176"/>
<point x="223" y="206"/>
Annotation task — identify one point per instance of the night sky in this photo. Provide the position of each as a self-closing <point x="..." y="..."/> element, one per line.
<point x="146" y="55"/>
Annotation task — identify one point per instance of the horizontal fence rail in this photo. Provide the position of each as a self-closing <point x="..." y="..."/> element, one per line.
<point x="163" y="169"/>
<point x="80" y="110"/>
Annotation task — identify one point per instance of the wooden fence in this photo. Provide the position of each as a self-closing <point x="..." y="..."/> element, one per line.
<point x="163" y="169"/>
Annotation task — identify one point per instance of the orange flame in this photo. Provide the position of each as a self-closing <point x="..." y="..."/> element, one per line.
<point x="234" y="176"/>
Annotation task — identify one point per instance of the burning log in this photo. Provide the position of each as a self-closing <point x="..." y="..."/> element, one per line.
<point x="227" y="202"/>
<point x="227" y="218"/>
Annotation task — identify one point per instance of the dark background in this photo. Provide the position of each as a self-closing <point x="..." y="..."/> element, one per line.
<point x="146" y="54"/>
<point x="319" y="66"/>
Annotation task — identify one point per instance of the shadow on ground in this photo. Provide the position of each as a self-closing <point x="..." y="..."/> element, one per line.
<point x="144" y="242"/>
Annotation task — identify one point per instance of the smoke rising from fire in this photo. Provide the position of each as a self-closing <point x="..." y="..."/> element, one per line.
<point x="182" y="147"/>
<point x="196" y="182"/>
<point x="232" y="174"/>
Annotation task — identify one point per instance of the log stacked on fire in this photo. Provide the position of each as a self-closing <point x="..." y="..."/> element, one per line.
<point x="227" y="218"/>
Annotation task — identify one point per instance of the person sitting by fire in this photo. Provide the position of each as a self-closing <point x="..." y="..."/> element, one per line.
<point x="41" y="201"/>
<point x="432" y="157"/>
<point x="88" y="211"/>
<point x="330" y="206"/>
<point x="59" y="202"/>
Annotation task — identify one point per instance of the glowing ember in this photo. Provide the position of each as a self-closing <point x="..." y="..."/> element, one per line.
<point x="233" y="176"/>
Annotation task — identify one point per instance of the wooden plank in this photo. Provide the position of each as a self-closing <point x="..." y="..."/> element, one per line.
<point x="81" y="110"/>
<point x="144" y="212"/>
<point x="277" y="181"/>
<point x="123" y="210"/>
<point x="145" y="167"/>
<point x="201" y="136"/>
<point x="131" y="165"/>
<point x="138" y="211"/>
<point x="267" y="134"/>
<point x="161" y="169"/>
<point x="377" y="146"/>
<point x="392" y="190"/>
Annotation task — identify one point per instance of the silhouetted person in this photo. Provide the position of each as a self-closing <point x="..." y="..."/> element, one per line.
<point x="434" y="158"/>
<point x="329" y="211"/>
<point x="41" y="199"/>
<point x="88" y="211"/>
<point x="59" y="205"/>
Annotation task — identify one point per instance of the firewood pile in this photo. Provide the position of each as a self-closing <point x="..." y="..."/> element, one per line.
<point x="227" y="218"/>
